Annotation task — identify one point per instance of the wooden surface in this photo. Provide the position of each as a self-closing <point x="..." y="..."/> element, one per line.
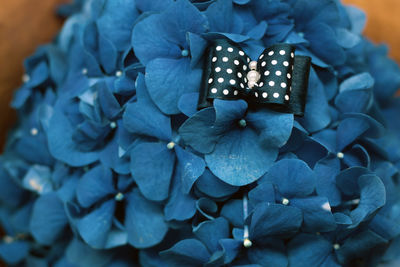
<point x="24" y="24"/>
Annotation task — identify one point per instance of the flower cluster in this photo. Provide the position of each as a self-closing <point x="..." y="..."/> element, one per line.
<point x="111" y="163"/>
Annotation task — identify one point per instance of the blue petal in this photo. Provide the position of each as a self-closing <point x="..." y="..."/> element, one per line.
<point x="347" y="180"/>
<point x="180" y="206"/>
<point x="94" y="185"/>
<point x="214" y="187"/>
<point x="274" y="220"/>
<point x="48" y="219"/>
<point x="14" y="252"/>
<point x="274" y="128"/>
<point x="292" y="177"/>
<point x="144" y="221"/>
<point x="81" y="254"/>
<point x="233" y="212"/>
<point x="198" y="131"/>
<point x="317" y="115"/>
<point x="317" y="215"/>
<point x="308" y="250"/>
<point x="152" y="165"/>
<point x="271" y="255"/>
<point x="94" y="227"/>
<point x="264" y="192"/>
<point x="116" y="22"/>
<point x="186" y="253"/>
<point x="372" y="197"/>
<point x="346" y="38"/>
<point x="61" y="145"/>
<point x="359" y="246"/>
<point x="349" y="130"/>
<point x="188" y="104"/>
<point x="191" y="167"/>
<point x="211" y="232"/>
<point x="326" y="170"/>
<point x="160" y="35"/>
<point x="231" y="249"/>
<point x="238" y="160"/>
<point x="168" y="79"/>
<point x="108" y="55"/>
<point x="38" y="179"/>
<point x="155" y="5"/>
<point x="197" y="47"/>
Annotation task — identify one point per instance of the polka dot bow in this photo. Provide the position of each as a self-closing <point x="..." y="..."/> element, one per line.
<point x="279" y="79"/>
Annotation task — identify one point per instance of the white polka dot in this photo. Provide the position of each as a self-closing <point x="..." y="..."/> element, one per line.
<point x="239" y="74"/>
<point x="230" y="49"/>
<point x="214" y="59"/>
<point x="225" y="92"/>
<point x="283" y="85"/>
<point x="244" y="67"/>
<point x="271" y="53"/>
<point x="274" y="62"/>
<point x="282" y="52"/>
<point x="225" y="59"/>
<point x="236" y="92"/>
<point x="233" y="82"/>
<point x="214" y="90"/>
<point x="292" y="55"/>
<point x="236" y="62"/>
<point x="245" y="79"/>
<point x="218" y="48"/>
<point x="289" y="76"/>
<point x="229" y="71"/>
<point x="278" y="73"/>
<point x="242" y="85"/>
<point x="263" y="64"/>
<point x="271" y="83"/>
<point x="248" y="60"/>
<point x="241" y="53"/>
<point x="256" y="94"/>
<point x="260" y="84"/>
<point x="210" y="80"/>
<point x="286" y="97"/>
<point x="290" y="88"/>
<point x="261" y="57"/>
<point x="221" y="80"/>
<point x="276" y="95"/>
<point x="266" y="73"/>
<point x="217" y="69"/>
<point x="265" y="95"/>
<point x="285" y="63"/>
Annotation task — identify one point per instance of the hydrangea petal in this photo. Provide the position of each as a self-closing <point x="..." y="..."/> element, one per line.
<point x="292" y="177"/>
<point x="372" y="197"/>
<point x="191" y="167"/>
<point x="152" y="165"/>
<point x="94" y="185"/>
<point x="95" y="226"/>
<point x="14" y="252"/>
<point x="48" y="211"/>
<point x="317" y="215"/>
<point x="168" y="79"/>
<point x="274" y="220"/>
<point x="210" y="185"/>
<point x="326" y="170"/>
<point x="272" y="255"/>
<point x="211" y="232"/>
<point x="61" y="144"/>
<point x="308" y="250"/>
<point x="186" y="253"/>
<point x="144" y="221"/>
<point x="238" y="160"/>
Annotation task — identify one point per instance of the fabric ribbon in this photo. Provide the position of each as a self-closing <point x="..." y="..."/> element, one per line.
<point x="278" y="80"/>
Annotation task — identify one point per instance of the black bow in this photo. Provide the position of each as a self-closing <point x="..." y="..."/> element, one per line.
<point x="279" y="79"/>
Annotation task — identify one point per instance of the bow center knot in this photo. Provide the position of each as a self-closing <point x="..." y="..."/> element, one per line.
<point x="253" y="76"/>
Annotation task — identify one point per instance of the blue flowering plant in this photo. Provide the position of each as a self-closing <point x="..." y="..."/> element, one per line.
<point x="110" y="162"/>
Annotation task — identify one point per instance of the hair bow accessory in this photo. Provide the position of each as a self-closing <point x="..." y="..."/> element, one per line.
<point x="278" y="80"/>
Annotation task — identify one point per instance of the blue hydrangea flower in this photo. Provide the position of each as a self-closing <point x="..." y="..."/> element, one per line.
<point x="111" y="164"/>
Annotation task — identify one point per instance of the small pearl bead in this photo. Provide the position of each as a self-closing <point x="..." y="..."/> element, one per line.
<point x="119" y="196"/>
<point x="247" y="243"/>
<point x="285" y="201"/>
<point x="253" y="65"/>
<point x="340" y="155"/>
<point x="170" y="145"/>
<point x="253" y="75"/>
